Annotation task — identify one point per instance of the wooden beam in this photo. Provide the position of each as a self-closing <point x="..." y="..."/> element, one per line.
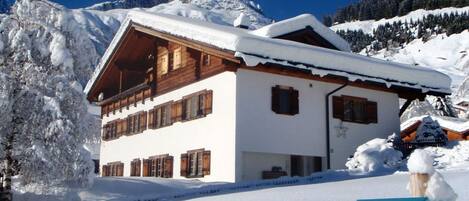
<point x="405" y="106"/>
<point x="137" y="66"/>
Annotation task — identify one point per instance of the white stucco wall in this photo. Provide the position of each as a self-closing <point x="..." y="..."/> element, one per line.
<point x="259" y="129"/>
<point x="215" y="132"/>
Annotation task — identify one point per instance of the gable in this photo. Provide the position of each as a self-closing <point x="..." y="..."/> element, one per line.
<point x="136" y="62"/>
<point x="308" y="36"/>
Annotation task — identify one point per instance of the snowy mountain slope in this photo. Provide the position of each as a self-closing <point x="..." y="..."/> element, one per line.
<point x="447" y="54"/>
<point x="369" y="25"/>
<point x="125" y="4"/>
<point x="102" y="25"/>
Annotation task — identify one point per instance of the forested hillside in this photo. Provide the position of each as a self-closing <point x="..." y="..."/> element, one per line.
<point x="430" y="33"/>
<point x="379" y="9"/>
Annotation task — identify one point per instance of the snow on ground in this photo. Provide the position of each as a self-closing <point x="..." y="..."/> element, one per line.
<point x="111" y="188"/>
<point x="391" y="186"/>
<point x="369" y="25"/>
<point x="452" y="162"/>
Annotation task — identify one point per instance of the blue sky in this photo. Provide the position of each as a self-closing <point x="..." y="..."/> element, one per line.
<point x="276" y="9"/>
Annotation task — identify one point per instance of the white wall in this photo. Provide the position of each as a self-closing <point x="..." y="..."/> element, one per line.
<point x="215" y="132"/>
<point x="259" y="129"/>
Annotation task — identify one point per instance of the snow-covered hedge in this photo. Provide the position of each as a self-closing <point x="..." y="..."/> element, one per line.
<point x="374" y="156"/>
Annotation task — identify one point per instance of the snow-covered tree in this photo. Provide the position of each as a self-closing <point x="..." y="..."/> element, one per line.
<point x="44" y="62"/>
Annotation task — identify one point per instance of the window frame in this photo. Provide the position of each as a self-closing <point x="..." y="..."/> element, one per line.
<point x="368" y="116"/>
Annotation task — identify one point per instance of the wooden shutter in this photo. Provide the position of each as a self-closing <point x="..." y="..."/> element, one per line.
<point x="184" y="168"/>
<point x="275" y="99"/>
<point x="143" y="121"/>
<point x="120" y="169"/>
<point x="294" y="101"/>
<point x="206" y="163"/>
<point x="338" y="107"/>
<point x="145" y="167"/>
<point x="151" y="119"/>
<point x="124" y="126"/>
<point x="138" y="169"/>
<point x="105" y="132"/>
<point x="104" y="172"/>
<point x="208" y="102"/>
<point x="176" y="111"/>
<point x="185" y="109"/>
<point x="168" y="167"/>
<point x="372" y="112"/>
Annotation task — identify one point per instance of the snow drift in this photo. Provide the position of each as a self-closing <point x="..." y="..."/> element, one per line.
<point x="376" y="155"/>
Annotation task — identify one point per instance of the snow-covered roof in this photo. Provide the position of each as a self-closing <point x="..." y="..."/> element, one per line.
<point x="451" y="123"/>
<point x="301" y="22"/>
<point x="254" y="48"/>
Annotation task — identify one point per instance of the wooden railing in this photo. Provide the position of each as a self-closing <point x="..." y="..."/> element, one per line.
<point x="125" y="99"/>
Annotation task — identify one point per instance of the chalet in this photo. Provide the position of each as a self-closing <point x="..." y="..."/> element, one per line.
<point x="454" y="128"/>
<point x="183" y="98"/>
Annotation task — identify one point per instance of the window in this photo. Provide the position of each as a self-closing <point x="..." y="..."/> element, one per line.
<point x="197" y="105"/>
<point x="135" y="168"/>
<point x="205" y="59"/>
<point x="163" y="61"/>
<point x="114" y="169"/>
<point x="160" y="116"/>
<point x="110" y="130"/>
<point x="285" y="100"/>
<point x="195" y="163"/>
<point x="136" y="123"/>
<point x="354" y="109"/>
<point x="158" y="166"/>
<point x="177" y="58"/>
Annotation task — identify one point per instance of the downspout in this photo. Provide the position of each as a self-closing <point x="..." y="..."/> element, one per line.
<point x="328" y="144"/>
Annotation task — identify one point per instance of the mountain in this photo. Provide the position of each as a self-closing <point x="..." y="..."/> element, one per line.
<point x="102" y="25"/>
<point x="126" y="4"/>
<point x="437" y="38"/>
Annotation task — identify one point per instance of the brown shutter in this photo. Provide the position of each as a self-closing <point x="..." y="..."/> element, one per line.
<point x="124" y="126"/>
<point x="142" y="121"/>
<point x="184" y="109"/>
<point x="168" y="167"/>
<point x="145" y="167"/>
<point x="208" y="102"/>
<point x="120" y="169"/>
<point x="372" y="112"/>
<point x="294" y="102"/>
<point x="338" y="107"/>
<point x="151" y="117"/>
<point x="105" y="132"/>
<point x="184" y="168"/>
<point x="104" y="171"/>
<point x="139" y="165"/>
<point x="174" y="112"/>
<point x="206" y="163"/>
<point x="275" y="99"/>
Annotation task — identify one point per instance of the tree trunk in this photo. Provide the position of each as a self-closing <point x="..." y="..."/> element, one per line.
<point x="6" y="193"/>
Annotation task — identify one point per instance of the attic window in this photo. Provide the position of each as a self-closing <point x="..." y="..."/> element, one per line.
<point x="163" y="63"/>
<point x="177" y="58"/>
<point x="205" y="59"/>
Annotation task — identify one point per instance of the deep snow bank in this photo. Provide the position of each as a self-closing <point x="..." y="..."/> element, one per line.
<point x="374" y="156"/>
